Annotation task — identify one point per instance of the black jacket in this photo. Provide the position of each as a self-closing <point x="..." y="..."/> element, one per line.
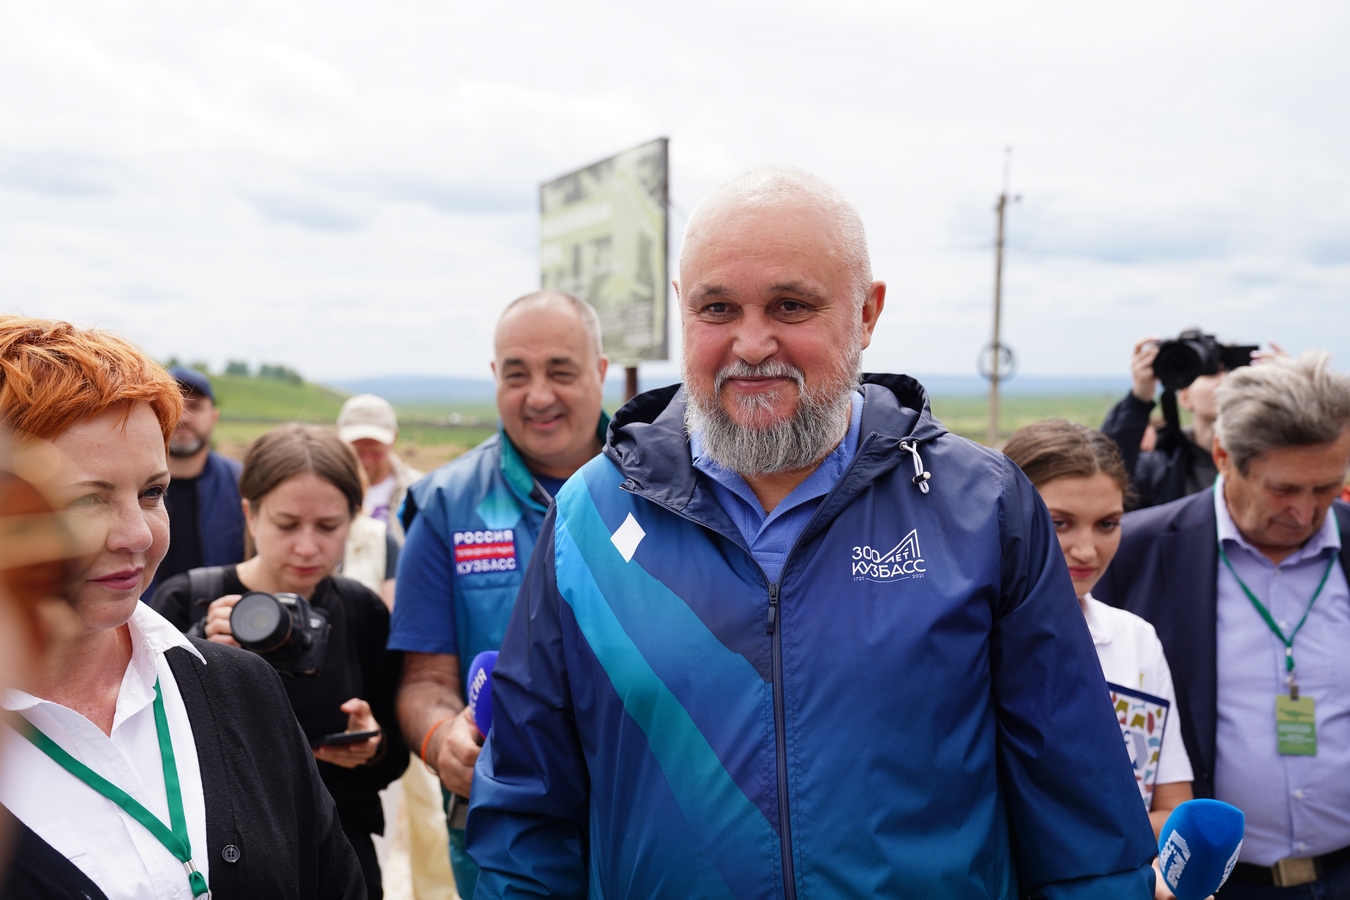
<point x="356" y="665"/>
<point x="265" y="805"/>
<point x="220" y="517"/>
<point x="1176" y="469"/>
<point x="1167" y="572"/>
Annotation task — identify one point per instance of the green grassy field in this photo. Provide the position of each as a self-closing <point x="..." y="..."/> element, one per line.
<point x="432" y="433"/>
<point x="967" y="415"/>
<point x="429" y="434"/>
<point x="248" y="398"/>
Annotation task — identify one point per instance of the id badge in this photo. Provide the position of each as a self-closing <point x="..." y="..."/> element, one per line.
<point x="1295" y="726"/>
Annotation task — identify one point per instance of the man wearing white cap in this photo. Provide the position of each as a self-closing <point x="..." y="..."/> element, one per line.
<point x="368" y="423"/>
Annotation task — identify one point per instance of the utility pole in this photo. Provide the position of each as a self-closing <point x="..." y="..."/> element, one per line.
<point x="1000" y="358"/>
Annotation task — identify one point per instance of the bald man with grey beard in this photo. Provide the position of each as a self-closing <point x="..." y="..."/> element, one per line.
<point x="787" y="636"/>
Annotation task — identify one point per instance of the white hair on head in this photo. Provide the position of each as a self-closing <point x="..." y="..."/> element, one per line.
<point x="773" y="186"/>
<point x="1281" y="403"/>
<point x="590" y="320"/>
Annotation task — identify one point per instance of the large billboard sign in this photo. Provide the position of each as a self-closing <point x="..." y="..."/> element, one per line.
<point x="603" y="236"/>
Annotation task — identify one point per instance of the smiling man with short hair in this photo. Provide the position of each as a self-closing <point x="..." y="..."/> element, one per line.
<point x="472" y="525"/>
<point x="788" y="636"/>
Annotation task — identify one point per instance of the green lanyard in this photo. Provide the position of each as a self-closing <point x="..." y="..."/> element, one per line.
<point x="176" y="840"/>
<point x="1270" y="620"/>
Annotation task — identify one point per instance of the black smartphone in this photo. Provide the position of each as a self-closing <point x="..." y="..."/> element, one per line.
<point x="345" y="737"/>
<point x="457" y="812"/>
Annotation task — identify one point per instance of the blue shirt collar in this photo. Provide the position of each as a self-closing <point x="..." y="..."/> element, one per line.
<point x="817" y="484"/>
<point x="1327" y="537"/>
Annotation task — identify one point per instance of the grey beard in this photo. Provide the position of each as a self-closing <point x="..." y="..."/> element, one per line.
<point x="181" y="449"/>
<point x="818" y="424"/>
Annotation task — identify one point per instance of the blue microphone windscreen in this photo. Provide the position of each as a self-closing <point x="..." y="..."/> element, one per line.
<point x="480" y="689"/>
<point x="1199" y="846"/>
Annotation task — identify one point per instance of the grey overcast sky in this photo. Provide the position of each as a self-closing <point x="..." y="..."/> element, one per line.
<point x="350" y="188"/>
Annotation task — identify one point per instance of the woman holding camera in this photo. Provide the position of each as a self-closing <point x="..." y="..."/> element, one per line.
<point x="301" y="488"/>
<point x="141" y="763"/>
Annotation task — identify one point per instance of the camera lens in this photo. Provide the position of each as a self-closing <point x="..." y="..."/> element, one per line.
<point x="259" y="622"/>
<point x="1178" y="363"/>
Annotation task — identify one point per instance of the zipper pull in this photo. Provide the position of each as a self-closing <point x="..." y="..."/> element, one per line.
<point x="773" y="609"/>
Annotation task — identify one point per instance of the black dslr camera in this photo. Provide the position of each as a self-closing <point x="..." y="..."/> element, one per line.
<point x="283" y="629"/>
<point x="1191" y="354"/>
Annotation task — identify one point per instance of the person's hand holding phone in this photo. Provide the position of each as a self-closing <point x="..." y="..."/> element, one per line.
<point x="349" y="756"/>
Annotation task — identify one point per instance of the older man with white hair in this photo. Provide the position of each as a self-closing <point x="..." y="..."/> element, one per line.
<point x="1246" y="586"/>
<point x="787" y="636"/>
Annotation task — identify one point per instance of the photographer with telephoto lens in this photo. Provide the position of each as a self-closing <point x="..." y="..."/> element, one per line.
<point x="325" y="634"/>
<point x="1190" y="368"/>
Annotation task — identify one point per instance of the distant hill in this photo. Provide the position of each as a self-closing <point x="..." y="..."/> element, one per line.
<point x="251" y="398"/>
<point x="970" y="385"/>
<point x="424" y="389"/>
<point x="442" y="416"/>
<point x="438" y="399"/>
<point x="436" y="390"/>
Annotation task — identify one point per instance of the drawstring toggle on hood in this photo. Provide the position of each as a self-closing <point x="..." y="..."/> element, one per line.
<point x="921" y="477"/>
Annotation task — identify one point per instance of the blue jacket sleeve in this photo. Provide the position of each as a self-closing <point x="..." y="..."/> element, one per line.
<point x="1078" y="823"/>
<point x="528" y="815"/>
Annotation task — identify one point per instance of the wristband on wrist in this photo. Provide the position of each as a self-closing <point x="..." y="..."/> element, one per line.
<point x="426" y="740"/>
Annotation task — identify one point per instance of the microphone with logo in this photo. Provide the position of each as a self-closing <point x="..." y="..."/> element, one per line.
<point x="480" y="701"/>
<point x="1199" y="846"/>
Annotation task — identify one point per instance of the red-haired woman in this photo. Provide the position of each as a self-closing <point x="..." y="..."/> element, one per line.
<point x="142" y="764"/>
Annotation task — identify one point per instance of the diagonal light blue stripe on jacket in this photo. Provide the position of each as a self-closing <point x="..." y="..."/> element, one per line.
<point x="635" y="625"/>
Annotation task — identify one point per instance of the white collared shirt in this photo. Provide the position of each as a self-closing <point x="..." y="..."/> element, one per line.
<point x="117" y="853"/>
<point x="1132" y="657"/>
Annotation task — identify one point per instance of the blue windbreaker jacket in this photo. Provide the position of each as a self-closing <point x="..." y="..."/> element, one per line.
<point x="915" y="710"/>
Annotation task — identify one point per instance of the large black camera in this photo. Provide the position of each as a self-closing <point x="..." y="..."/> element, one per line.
<point x="283" y="629"/>
<point x="1191" y="354"/>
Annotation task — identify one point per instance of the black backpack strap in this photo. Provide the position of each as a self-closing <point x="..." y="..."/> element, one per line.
<point x="204" y="585"/>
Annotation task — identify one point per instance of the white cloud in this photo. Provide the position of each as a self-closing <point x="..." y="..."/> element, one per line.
<point x="350" y="187"/>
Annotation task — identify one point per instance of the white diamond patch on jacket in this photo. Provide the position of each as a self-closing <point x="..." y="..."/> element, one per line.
<point x="627" y="538"/>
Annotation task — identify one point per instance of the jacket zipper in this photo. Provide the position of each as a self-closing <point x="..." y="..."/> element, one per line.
<point x="779" y="703"/>
<point x="780" y="746"/>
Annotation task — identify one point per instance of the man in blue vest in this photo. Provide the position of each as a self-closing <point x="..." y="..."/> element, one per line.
<point x="472" y="526"/>
<point x="788" y="636"/>
<point x="206" y="519"/>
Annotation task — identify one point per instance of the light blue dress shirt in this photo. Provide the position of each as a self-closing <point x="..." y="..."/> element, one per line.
<point x="770" y="536"/>
<point x="1295" y="805"/>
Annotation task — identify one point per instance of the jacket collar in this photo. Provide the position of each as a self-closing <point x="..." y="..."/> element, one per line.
<point x="649" y="446"/>
<point x="519" y="476"/>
